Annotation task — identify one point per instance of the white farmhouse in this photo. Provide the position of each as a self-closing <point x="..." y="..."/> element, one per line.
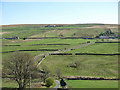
<point x="104" y="37"/>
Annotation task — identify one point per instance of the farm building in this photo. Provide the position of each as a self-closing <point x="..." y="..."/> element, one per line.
<point x="111" y="37"/>
<point x="87" y="38"/>
<point x="107" y="37"/>
<point x="116" y="35"/>
<point x="59" y="25"/>
<point x="104" y="37"/>
<point x="53" y="25"/>
<point x="14" y="37"/>
<point x="50" y="26"/>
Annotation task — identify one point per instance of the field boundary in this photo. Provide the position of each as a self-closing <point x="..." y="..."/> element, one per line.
<point x="32" y="50"/>
<point x="107" y="42"/>
<point x="50" y="44"/>
<point x="96" y="54"/>
<point x="88" y="78"/>
<point x="83" y="54"/>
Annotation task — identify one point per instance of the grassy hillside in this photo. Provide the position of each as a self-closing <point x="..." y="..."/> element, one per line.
<point x="88" y="65"/>
<point x="105" y="66"/>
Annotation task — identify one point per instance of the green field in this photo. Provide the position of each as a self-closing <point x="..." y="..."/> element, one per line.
<point x="100" y="48"/>
<point x="92" y="83"/>
<point x="28" y="45"/>
<point x="97" y="66"/>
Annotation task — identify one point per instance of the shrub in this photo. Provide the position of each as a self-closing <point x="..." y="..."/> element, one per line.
<point x="49" y="81"/>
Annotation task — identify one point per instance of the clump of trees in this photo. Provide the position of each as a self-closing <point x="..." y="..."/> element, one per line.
<point x="107" y="32"/>
<point x="21" y="67"/>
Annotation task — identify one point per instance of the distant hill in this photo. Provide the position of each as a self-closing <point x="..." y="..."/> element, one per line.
<point x="66" y="30"/>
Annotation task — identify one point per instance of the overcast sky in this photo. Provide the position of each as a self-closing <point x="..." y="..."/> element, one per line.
<point x="59" y="12"/>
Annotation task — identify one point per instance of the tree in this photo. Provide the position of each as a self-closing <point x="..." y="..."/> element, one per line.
<point x="62" y="83"/>
<point x="49" y="81"/>
<point x="101" y="34"/>
<point x="77" y="64"/>
<point x="61" y="35"/>
<point x="24" y="38"/>
<point x="97" y="36"/>
<point x="20" y="66"/>
<point x="74" y="34"/>
<point x="102" y="39"/>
